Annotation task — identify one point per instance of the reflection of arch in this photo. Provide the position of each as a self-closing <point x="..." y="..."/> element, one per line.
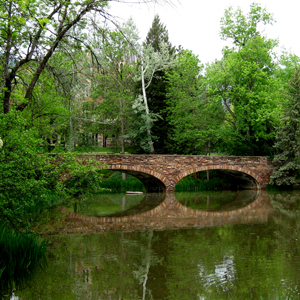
<point x="256" y="178"/>
<point x="148" y="203"/>
<point x="153" y="181"/>
<point x="170" y="214"/>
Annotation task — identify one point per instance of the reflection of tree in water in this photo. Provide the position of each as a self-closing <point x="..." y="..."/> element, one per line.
<point x="287" y="220"/>
<point x="105" y="266"/>
<point x="105" y="204"/>
<point x="219" y="262"/>
<point x="146" y="260"/>
<point x="217" y="201"/>
<point x="79" y="270"/>
<point x="205" y="264"/>
<point x="286" y="204"/>
<point x="149" y="202"/>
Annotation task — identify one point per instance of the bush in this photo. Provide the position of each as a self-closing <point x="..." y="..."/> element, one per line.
<point x="28" y="176"/>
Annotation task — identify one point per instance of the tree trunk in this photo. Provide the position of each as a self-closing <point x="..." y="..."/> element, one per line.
<point x="6" y="97"/>
<point x="71" y="144"/>
<point x="207" y="152"/>
<point x="104" y="141"/>
<point x="123" y="203"/>
<point x="61" y="32"/>
<point x="147" y="111"/>
<point x="123" y="176"/>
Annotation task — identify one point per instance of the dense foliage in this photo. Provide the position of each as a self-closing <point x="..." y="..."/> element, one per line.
<point x="230" y="106"/>
<point x="68" y="80"/>
<point x="244" y="82"/>
<point x="28" y="175"/>
<point x="288" y="136"/>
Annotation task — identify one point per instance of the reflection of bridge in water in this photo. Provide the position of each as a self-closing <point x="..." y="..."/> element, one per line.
<point x="167" y="213"/>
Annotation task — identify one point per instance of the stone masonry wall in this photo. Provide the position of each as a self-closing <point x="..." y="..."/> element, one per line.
<point x="169" y="169"/>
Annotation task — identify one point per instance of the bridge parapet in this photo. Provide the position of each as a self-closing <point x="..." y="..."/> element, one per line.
<point x="162" y="172"/>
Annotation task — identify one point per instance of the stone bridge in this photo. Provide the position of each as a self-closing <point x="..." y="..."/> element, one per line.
<point x="160" y="173"/>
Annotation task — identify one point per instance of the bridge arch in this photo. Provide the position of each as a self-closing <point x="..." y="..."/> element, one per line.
<point x="161" y="173"/>
<point x="153" y="181"/>
<point x="250" y="181"/>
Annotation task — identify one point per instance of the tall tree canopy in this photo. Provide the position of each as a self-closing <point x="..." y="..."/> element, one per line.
<point x="244" y="82"/>
<point x="195" y="120"/>
<point x="240" y="28"/>
<point x="30" y="32"/>
<point x="157" y="34"/>
<point x="113" y="84"/>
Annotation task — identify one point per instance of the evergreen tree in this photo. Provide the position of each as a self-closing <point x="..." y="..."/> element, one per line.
<point x="156" y="92"/>
<point x="288" y="136"/>
<point x="157" y="34"/>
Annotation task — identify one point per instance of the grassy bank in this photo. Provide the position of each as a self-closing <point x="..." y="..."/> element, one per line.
<point x="198" y="182"/>
<point x="194" y="182"/>
<point x="21" y="254"/>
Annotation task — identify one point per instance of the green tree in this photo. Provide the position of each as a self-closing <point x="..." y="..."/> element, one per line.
<point x="240" y="28"/>
<point x="19" y="165"/>
<point x="244" y="82"/>
<point x="286" y="66"/>
<point x="288" y="136"/>
<point x="113" y="84"/>
<point x="157" y="34"/>
<point x="195" y="119"/>
<point x="59" y="95"/>
<point x="31" y="32"/>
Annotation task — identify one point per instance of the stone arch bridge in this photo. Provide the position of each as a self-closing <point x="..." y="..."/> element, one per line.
<point x="160" y="173"/>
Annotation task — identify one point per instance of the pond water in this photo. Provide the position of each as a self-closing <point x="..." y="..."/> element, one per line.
<point x="210" y="245"/>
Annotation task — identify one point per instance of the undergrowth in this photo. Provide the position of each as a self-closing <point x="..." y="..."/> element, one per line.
<point x="198" y="182"/>
<point x="21" y="254"/>
<point x="116" y="185"/>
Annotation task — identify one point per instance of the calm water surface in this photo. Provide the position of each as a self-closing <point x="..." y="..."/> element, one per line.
<point x="252" y="253"/>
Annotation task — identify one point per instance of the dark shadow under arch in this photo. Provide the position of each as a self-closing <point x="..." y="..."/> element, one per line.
<point x="152" y="184"/>
<point x="245" y="178"/>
